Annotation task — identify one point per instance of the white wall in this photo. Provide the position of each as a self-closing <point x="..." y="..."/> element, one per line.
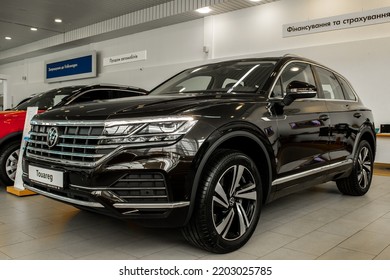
<point x="361" y="54"/>
<point x="169" y="50"/>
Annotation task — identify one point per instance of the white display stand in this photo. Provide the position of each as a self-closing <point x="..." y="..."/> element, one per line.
<point x="382" y="148"/>
<point x="17" y="188"/>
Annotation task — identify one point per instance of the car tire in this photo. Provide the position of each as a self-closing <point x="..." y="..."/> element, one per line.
<point x="359" y="181"/>
<point x="9" y="161"/>
<point x="228" y="203"/>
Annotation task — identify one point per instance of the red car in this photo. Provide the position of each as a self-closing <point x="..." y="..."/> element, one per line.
<point x="12" y="121"/>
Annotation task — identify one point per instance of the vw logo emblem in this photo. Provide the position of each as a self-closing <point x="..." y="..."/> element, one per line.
<point x="52" y="137"/>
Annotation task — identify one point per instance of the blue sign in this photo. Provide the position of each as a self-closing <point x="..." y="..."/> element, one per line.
<point x="71" y="68"/>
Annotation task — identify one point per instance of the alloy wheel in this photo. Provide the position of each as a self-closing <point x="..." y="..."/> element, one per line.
<point x="364" y="168"/>
<point x="234" y="202"/>
<point x="11" y="164"/>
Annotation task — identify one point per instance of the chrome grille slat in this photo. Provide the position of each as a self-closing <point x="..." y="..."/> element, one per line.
<point x="65" y="153"/>
<point x="82" y="137"/>
<point x="88" y="146"/>
<point x="38" y="134"/>
<point x="77" y="145"/>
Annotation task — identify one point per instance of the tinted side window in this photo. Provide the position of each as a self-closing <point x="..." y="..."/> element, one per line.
<point x="278" y="89"/>
<point x="94" y="95"/>
<point x="329" y="84"/>
<point x="296" y="71"/>
<point x="122" y="93"/>
<point x="348" y="91"/>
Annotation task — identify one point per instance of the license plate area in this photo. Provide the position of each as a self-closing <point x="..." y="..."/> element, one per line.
<point x="48" y="177"/>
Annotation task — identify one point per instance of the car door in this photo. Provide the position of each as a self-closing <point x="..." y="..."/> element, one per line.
<point x="344" y="110"/>
<point x="303" y="130"/>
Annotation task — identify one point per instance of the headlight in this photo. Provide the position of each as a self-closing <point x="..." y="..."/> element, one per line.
<point x="161" y="130"/>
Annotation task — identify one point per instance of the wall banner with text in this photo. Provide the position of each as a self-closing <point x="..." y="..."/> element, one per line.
<point x="365" y="18"/>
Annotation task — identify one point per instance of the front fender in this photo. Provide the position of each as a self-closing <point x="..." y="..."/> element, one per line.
<point x="216" y="140"/>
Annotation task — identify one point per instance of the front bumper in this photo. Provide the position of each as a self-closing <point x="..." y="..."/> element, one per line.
<point x="151" y="197"/>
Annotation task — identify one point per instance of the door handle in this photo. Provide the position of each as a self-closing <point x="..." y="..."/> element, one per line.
<point x="357" y="115"/>
<point x="324" y="117"/>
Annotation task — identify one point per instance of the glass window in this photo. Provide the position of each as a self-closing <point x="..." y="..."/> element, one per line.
<point x="93" y="95"/>
<point x="330" y="85"/>
<point x="122" y="93"/>
<point x="348" y="91"/>
<point x="296" y="71"/>
<point x="47" y="99"/>
<point x="278" y="89"/>
<point x="236" y="76"/>
<point x="194" y="84"/>
<point x="228" y="83"/>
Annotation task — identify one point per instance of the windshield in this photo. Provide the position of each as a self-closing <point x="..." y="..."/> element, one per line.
<point x="48" y="99"/>
<point x="234" y="76"/>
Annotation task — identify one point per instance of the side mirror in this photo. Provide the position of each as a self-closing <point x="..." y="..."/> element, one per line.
<point x="298" y="89"/>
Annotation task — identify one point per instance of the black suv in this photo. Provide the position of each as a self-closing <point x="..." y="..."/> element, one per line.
<point x="207" y="148"/>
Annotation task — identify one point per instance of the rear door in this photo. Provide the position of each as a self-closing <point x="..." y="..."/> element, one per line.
<point x="344" y="110"/>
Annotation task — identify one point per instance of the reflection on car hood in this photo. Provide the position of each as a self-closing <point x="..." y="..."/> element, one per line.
<point x="143" y="106"/>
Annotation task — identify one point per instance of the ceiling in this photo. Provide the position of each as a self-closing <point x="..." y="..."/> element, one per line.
<point x="85" y="21"/>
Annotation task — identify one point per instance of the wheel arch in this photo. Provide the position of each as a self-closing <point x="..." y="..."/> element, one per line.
<point x="246" y="139"/>
<point x="15" y="136"/>
<point x="366" y="133"/>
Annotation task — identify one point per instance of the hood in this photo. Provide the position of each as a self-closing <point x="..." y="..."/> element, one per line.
<point x="11" y="122"/>
<point x="12" y="117"/>
<point x="144" y="106"/>
<point x="11" y="114"/>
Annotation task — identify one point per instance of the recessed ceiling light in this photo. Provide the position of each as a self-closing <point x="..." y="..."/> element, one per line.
<point x="58" y="20"/>
<point x="255" y="0"/>
<point x="8" y="38"/>
<point x="33" y="29"/>
<point x="204" y="10"/>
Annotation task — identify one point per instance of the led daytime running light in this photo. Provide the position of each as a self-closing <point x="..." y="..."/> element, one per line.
<point x="168" y="130"/>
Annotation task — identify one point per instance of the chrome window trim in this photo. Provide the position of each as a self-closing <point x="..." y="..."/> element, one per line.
<point x="310" y="172"/>
<point x="318" y="65"/>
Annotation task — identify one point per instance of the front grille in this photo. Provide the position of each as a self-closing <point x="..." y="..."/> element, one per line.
<point x="76" y="144"/>
<point x="147" y="187"/>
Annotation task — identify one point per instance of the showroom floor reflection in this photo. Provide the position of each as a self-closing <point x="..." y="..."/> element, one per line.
<point x="318" y="223"/>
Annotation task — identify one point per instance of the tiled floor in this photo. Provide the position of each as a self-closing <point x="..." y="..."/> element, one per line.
<point x="318" y="223"/>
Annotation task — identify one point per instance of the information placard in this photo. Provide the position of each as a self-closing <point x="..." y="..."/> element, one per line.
<point x="71" y="68"/>
<point x="365" y="18"/>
